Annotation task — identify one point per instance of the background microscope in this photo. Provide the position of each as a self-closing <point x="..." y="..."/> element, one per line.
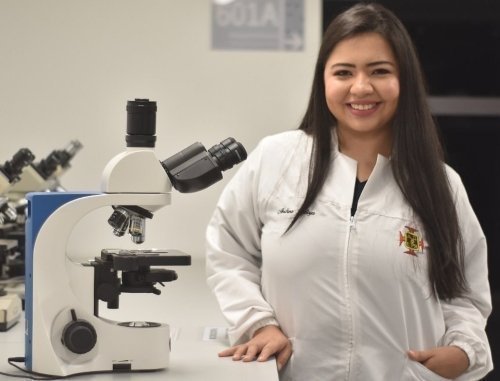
<point x="30" y="176"/>
<point x="44" y="175"/>
<point x="10" y="171"/>
<point x="19" y="176"/>
<point x="10" y="174"/>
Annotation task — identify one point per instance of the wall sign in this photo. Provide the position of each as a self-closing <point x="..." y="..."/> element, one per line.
<point x="258" y="25"/>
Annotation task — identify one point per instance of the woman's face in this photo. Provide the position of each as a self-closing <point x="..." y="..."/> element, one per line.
<point x="362" y="84"/>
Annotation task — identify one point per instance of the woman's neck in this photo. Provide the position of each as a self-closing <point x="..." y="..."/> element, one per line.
<point x="364" y="148"/>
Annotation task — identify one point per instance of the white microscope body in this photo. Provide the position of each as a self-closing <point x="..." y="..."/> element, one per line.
<point x="62" y="289"/>
<point x="64" y="332"/>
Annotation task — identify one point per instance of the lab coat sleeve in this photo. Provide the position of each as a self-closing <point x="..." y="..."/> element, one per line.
<point x="234" y="253"/>
<point x="466" y="317"/>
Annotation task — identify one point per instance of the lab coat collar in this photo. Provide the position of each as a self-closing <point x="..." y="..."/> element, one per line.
<point x="345" y="169"/>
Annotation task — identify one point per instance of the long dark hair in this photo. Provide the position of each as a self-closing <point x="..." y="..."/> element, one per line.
<point x="417" y="155"/>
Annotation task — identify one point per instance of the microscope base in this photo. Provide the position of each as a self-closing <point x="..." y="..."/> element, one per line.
<point x="120" y="347"/>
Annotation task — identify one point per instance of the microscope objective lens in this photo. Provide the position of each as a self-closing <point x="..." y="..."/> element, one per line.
<point x="119" y="220"/>
<point x="137" y="228"/>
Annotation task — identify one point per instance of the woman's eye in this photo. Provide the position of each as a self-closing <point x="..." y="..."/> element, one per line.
<point x="342" y="73"/>
<point x="381" y="71"/>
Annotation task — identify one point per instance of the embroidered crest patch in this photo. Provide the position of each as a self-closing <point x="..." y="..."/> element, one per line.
<point x="412" y="240"/>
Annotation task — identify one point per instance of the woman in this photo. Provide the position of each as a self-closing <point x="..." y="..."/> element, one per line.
<point x="347" y="248"/>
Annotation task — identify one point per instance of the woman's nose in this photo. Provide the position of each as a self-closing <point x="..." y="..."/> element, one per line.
<point x="361" y="85"/>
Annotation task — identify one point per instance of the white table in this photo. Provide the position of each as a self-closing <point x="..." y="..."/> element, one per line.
<point x="189" y="307"/>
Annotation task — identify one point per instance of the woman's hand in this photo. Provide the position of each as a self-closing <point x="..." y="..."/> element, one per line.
<point x="448" y="362"/>
<point x="266" y="342"/>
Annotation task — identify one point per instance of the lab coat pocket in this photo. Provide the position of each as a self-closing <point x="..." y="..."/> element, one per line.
<point x="420" y="372"/>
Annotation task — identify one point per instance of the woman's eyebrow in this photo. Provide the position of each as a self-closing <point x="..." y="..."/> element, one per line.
<point x="375" y="63"/>
<point x="342" y="64"/>
<point x="381" y="63"/>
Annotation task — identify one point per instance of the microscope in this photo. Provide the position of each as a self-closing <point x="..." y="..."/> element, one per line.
<point x="44" y="175"/>
<point x="65" y="334"/>
<point x="10" y="171"/>
<point x="35" y="176"/>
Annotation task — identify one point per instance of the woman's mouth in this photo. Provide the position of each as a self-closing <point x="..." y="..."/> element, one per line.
<point x="362" y="107"/>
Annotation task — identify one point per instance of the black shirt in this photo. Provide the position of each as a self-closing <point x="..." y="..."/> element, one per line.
<point x="358" y="188"/>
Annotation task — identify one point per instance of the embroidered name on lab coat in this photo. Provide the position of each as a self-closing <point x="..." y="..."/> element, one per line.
<point x="291" y="211"/>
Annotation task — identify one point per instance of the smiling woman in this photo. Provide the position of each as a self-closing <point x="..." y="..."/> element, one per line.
<point x="347" y="248"/>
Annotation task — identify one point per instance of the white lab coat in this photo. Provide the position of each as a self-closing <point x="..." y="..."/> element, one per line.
<point x="351" y="294"/>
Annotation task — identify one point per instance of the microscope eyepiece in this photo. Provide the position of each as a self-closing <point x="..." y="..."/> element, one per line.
<point x="228" y="153"/>
<point x="61" y="158"/>
<point x="194" y="168"/>
<point x="141" y="123"/>
<point x="65" y="155"/>
<point x="13" y="168"/>
<point x="48" y="166"/>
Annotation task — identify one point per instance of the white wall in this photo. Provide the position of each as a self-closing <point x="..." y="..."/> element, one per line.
<point x="68" y="67"/>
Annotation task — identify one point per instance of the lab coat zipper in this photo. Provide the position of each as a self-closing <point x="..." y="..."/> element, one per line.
<point x="350" y="349"/>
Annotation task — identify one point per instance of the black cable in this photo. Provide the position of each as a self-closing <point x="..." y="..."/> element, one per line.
<point x="46" y="377"/>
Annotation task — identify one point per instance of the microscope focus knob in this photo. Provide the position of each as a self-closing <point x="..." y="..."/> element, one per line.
<point x="79" y="336"/>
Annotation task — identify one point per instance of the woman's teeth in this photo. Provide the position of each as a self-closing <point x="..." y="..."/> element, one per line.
<point x="362" y="107"/>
